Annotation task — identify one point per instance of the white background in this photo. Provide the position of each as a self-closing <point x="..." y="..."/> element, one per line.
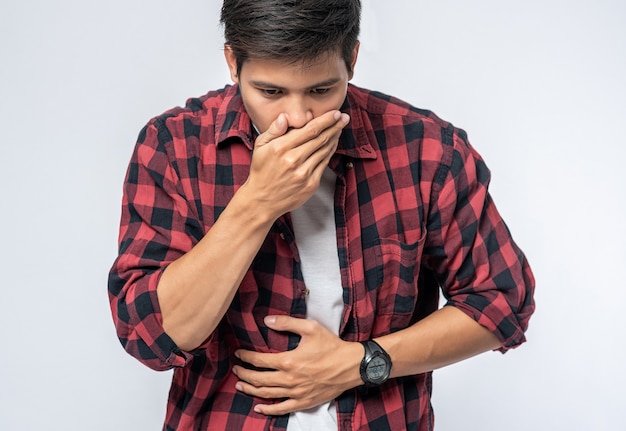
<point x="538" y="85"/>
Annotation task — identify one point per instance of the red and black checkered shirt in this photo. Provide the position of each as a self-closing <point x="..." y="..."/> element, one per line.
<point x="413" y="215"/>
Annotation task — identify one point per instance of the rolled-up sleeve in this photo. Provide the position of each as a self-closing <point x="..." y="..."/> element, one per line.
<point x="480" y="268"/>
<point x="157" y="226"/>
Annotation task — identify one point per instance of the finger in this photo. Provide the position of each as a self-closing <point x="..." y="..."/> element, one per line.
<point x="316" y="132"/>
<point x="320" y="160"/>
<point x="269" y="361"/>
<point x="277" y="129"/>
<point x="263" y="391"/>
<point x="262" y="379"/>
<point x="320" y="132"/>
<point x="296" y="325"/>
<point x="317" y="148"/>
<point x="279" y="409"/>
<point x="317" y="125"/>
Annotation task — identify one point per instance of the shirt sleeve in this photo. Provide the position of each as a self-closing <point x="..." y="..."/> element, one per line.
<point x="481" y="270"/>
<point x="157" y="226"/>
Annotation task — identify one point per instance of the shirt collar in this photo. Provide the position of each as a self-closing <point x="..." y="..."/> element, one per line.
<point x="233" y="122"/>
<point x="355" y="141"/>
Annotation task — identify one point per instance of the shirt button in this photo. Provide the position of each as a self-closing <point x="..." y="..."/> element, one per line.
<point x="306" y="292"/>
<point x="349" y="165"/>
<point x="282" y="236"/>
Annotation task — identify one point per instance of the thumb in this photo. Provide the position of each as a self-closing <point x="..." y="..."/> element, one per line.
<point x="278" y="128"/>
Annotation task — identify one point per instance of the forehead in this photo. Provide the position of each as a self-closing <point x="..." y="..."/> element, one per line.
<point x="294" y="74"/>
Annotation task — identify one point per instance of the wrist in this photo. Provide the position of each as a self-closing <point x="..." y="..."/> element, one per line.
<point x="246" y="203"/>
<point x="351" y="358"/>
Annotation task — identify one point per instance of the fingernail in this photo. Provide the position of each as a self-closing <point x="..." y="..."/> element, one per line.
<point x="337" y="115"/>
<point x="280" y="121"/>
<point x="238" y="387"/>
<point x="345" y="118"/>
<point x="237" y="354"/>
<point x="257" y="409"/>
<point x="270" y="320"/>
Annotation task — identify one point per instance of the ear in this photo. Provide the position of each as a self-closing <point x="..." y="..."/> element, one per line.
<point x="355" y="55"/>
<point x="231" y="61"/>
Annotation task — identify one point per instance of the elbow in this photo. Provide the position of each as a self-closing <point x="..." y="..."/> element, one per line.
<point x="186" y="337"/>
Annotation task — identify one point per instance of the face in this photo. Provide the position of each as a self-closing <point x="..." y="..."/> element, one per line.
<point x="301" y="92"/>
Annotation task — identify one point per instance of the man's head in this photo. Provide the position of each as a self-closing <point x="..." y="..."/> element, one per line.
<point x="291" y="56"/>
<point x="291" y="31"/>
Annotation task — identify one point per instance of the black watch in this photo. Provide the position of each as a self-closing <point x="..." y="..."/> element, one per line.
<point x="376" y="364"/>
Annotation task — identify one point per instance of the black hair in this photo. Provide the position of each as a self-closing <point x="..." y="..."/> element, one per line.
<point x="295" y="31"/>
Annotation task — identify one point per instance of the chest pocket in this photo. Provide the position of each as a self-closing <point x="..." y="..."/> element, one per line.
<point x="392" y="282"/>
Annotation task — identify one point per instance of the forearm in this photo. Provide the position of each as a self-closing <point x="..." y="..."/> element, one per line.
<point x="443" y="338"/>
<point x="196" y="290"/>
<point x="323" y="366"/>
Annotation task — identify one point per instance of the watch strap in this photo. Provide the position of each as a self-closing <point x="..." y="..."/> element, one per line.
<point x="372" y="349"/>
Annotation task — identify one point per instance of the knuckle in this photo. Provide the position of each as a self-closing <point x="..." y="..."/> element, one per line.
<point x="300" y="393"/>
<point x="264" y="393"/>
<point x="277" y="150"/>
<point x="312" y="129"/>
<point x="287" y="363"/>
<point x="301" y="177"/>
<point x="312" y="325"/>
<point x="273" y="131"/>
<point x="292" y="381"/>
<point x="326" y="138"/>
<point x="290" y="160"/>
<point x="306" y="190"/>
<point x="322" y="140"/>
<point x="254" y="381"/>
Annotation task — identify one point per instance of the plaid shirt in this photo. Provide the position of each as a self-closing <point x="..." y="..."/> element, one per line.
<point x="413" y="215"/>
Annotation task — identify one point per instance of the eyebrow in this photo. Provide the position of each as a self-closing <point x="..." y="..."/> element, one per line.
<point x="326" y="83"/>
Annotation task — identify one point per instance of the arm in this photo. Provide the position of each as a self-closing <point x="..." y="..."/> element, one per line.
<point x="196" y="290"/>
<point x="167" y="294"/>
<point x="445" y="337"/>
<point x="323" y="366"/>
<point x="483" y="274"/>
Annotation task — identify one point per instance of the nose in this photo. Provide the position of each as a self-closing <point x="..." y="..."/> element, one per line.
<point x="298" y="112"/>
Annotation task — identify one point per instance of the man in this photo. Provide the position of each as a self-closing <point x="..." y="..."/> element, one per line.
<point x="283" y="240"/>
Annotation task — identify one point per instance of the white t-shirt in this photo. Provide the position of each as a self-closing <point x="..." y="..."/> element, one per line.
<point x="316" y="238"/>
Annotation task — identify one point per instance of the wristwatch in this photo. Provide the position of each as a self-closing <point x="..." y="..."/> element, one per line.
<point x="376" y="364"/>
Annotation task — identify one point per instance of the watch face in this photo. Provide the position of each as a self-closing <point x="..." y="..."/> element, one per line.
<point x="377" y="368"/>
